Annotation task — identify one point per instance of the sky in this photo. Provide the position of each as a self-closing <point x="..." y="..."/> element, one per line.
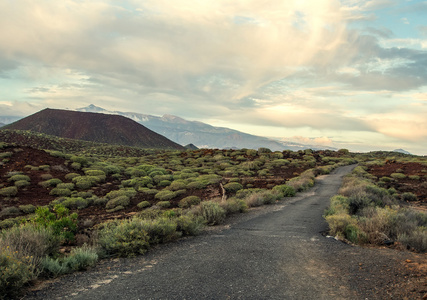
<point x="340" y="73"/>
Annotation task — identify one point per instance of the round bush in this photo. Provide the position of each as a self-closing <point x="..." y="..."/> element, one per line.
<point x="189" y="201"/>
<point x="165" y="195"/>
<point x="118" y="201"/>
<point x="233" y="187"/>
<point x="143" y="204"/>
<point x="284" y="190"/>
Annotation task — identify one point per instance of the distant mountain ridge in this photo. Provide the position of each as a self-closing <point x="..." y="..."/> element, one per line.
<point x="94" y="127"/>
<point x="201" y="134"/>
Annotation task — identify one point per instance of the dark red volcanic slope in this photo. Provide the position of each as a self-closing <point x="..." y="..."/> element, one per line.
<point x="94" y="127"/>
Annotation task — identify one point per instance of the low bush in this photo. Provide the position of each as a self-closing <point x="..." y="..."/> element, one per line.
<point x="78" y="260"/>
<point x="27" y="209"/>
<point x="9" y="191"/>
<point x="124" y="238"/>
<point x="15" y="271"/>
<point x="398" y="175"/>
<point x="189" y="201"/>
<point x="50" y="182"/>
<point x="143" y="204"/>
<point x="9" y="211"/>
<point x="70" y="176"/>
<point x="284" y="190"/>
<point x="165" y="195"/>
<point x="232" y="187"/>
<point x="62" y="192"/>
<point x="22" y="183"/>
<point x="134" y="236"/>
<point x="212" y="212"/>
<point x="72" y="202"/>
<point x="190" y="224"/>
<point x="408" y="197"/>
<point x="86" y="182"/>
<point x="19" y="177"/>
<point x="123" y="201"/>
<point x="62" y="223"/>
<point x="163" y="204"/>
<point x="234" y="205"/>
<point x="254" y="199"/>
<point x="128" y="192"/>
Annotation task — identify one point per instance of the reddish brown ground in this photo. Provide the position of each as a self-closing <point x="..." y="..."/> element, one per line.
<point x="416" y="186"/>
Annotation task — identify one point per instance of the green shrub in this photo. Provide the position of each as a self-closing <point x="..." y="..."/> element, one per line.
<point x="72" y="202"/>
<point x="416" y="240"/>
<point x="50" y="182"/>
<point x="15" y="271"/>
<point x="128" y="192"/>
<point x="27" y="209"/>
<point x="9" y="211"/>
<point x="164" y="183"/>
<point x="177" y="185"/>
<point x="124" y="238"/>
<point x="163" y="204"/>
<point x="62" y="223"/>
<point x="134" y="236"/>
<point x="70" y="176"/>
<point x="254" y="199"/>
<point x="234" y="205"/>
<point x="118" y="201"/>
<point x="196" y="185"/>
<point x="160" y="230"/>
<point x="190" y="224"/>
<point x="232" y="187"/>
<point x="85" y="182"/>
<point x="241" y="194"/>
<point x="212" y="212"/>
<point x="408" y="197"/>
<point x="62" y="192"/>
<point x="19" y="177"/>
<point x="9" y="191"/>
<point x="143" y="204"/>
<point x="284" y="190"/>
<point x="79" y="259"/>
<point x="165" y="195"/>
<point x="398" y="175"/>
<point x="68" y="185"/>
<point x="270" y="197"/>
<point x="22" y="183"/>
<point x="189" y="201"/>
<point x="148" y="191"/>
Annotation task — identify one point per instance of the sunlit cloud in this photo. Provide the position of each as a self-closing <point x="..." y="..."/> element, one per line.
<point x="316" y="67"/>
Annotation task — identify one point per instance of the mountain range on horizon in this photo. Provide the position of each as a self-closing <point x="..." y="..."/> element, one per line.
<point x="202" y="135"/>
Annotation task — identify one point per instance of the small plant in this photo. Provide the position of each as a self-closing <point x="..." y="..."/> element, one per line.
<point x="19" y="177"/>
<point x="9" y="191"/>
<point x="233" y="187"/>
<point x="59" y="220"/>
<point x="212" y="212"/>
<point x="284" y="190"/>
<point x="118" y="201"/>
<point x="79" y="259"/>
<point x="409" y="197"/>
<point x="189" y="201"/>
<point x="143" y="204"/>
<point x="27" y="209"/>
<point x="164" y="204"/>
<point x="165" y="195"/>
<point x="398" y="175"/>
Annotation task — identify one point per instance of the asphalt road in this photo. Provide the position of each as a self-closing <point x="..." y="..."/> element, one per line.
<point x="276" y="252"/>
